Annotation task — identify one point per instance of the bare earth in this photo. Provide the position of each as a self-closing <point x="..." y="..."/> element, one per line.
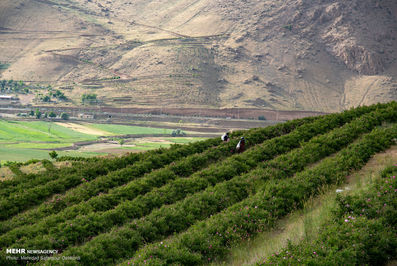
<point x="84" y="129"/>
<point x="325" y="55"/>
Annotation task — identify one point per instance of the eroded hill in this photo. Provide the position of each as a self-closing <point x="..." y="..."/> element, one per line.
<point x="318" y="55"/>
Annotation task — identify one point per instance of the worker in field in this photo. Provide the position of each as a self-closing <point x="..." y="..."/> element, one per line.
<point x="225" y="137"/>
<point x="240" y="145"/>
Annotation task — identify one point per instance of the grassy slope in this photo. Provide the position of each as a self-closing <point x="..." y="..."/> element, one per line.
<point x="22" y="141"/>
<point x="39" y="131"/>
<point x="25" y="140"/>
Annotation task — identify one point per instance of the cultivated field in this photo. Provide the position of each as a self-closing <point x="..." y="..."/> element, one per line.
<point x="24" y="140"/>
<point x="191" y="204"/>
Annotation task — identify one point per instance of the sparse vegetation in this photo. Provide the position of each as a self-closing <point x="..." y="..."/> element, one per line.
<point x="11" y="86"/>
<point x="89" y="98"/>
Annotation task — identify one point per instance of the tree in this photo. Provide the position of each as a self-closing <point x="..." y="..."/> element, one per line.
<point x="31" y="113"/>
<point x="52" y="114"/>
<point x="121" y="141"/>
<point x="90" y="98"/>
<point x="65" y="116"/>
<point x="59" y="95"/>
<point x="53" y="154"/>
<point x="38" y="113"/>
<point x="178" y="133"/>
<point x="46" y="99"/>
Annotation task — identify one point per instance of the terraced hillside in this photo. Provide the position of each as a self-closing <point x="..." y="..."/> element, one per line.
<point x="188" y="204"/>
<point x="322" y="55"/>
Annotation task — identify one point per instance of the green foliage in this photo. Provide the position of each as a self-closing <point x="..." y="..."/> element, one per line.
<point x="362" y="230"/>
<point x="64" y="116"/>
<point x="89" y="98"/>
<point x="104" y="183"/>
<point x="200" y="197"/>
<point x="59" y="95"/>
<point x="37" y="113"/>
<point x="213" y="237"/>
<point x="53" y="154"/>
<point x="121" y="142"/>
<point x="178" y="133"/>
<point x="52" y="114"/>
<point x="46" y="98"/>
<point x="178" y="189"/>
<point x="11" y="86"/>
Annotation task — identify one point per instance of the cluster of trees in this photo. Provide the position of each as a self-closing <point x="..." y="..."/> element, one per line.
<point x="89" y="98"/>
<point x="38" y="114"/>
<point x="11" y="86"/>
<point x="57" y="94"/>
<point x="178" y="133"/>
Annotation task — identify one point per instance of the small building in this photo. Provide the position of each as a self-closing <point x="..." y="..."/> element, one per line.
<point x="6" y="98"/>
<point x="86" y="116"/>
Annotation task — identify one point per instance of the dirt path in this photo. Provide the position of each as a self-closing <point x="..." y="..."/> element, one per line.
<point x="84" y="129"/>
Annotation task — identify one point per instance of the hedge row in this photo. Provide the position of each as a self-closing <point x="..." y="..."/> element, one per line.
<point x="87" y="170"/>
<point x="363" y="231"/>
<point x="22" y="200"/>
<point x="177" y="217"/>
<point x="211" y="239"/>
<point x="90" y="167"/>
<point x="157" y="178"/>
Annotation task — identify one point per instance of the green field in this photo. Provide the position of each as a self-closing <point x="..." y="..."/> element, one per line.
<point x="38" y="131"/>
<point x="25" y="140"/>
<point x="22" y="141"/>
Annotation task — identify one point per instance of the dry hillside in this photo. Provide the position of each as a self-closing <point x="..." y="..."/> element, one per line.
<point x="323" y="55"/>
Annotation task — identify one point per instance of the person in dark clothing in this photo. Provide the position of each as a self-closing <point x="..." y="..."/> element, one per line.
<point x="225" y="137"/>
<point x="240" y="145"/>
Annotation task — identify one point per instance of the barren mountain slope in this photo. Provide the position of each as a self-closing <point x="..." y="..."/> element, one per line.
<point x="318" y="55"/>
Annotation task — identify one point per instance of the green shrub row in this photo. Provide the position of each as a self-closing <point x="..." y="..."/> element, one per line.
<point x="362" y="232"/>
<point x="182" y="168"/>
<point x="174" y="218"/>
<point x="21" y="200"/>
<point x="98" y="222"/>
<point x="87" y="170"/>
<point x="212" y="239"/>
